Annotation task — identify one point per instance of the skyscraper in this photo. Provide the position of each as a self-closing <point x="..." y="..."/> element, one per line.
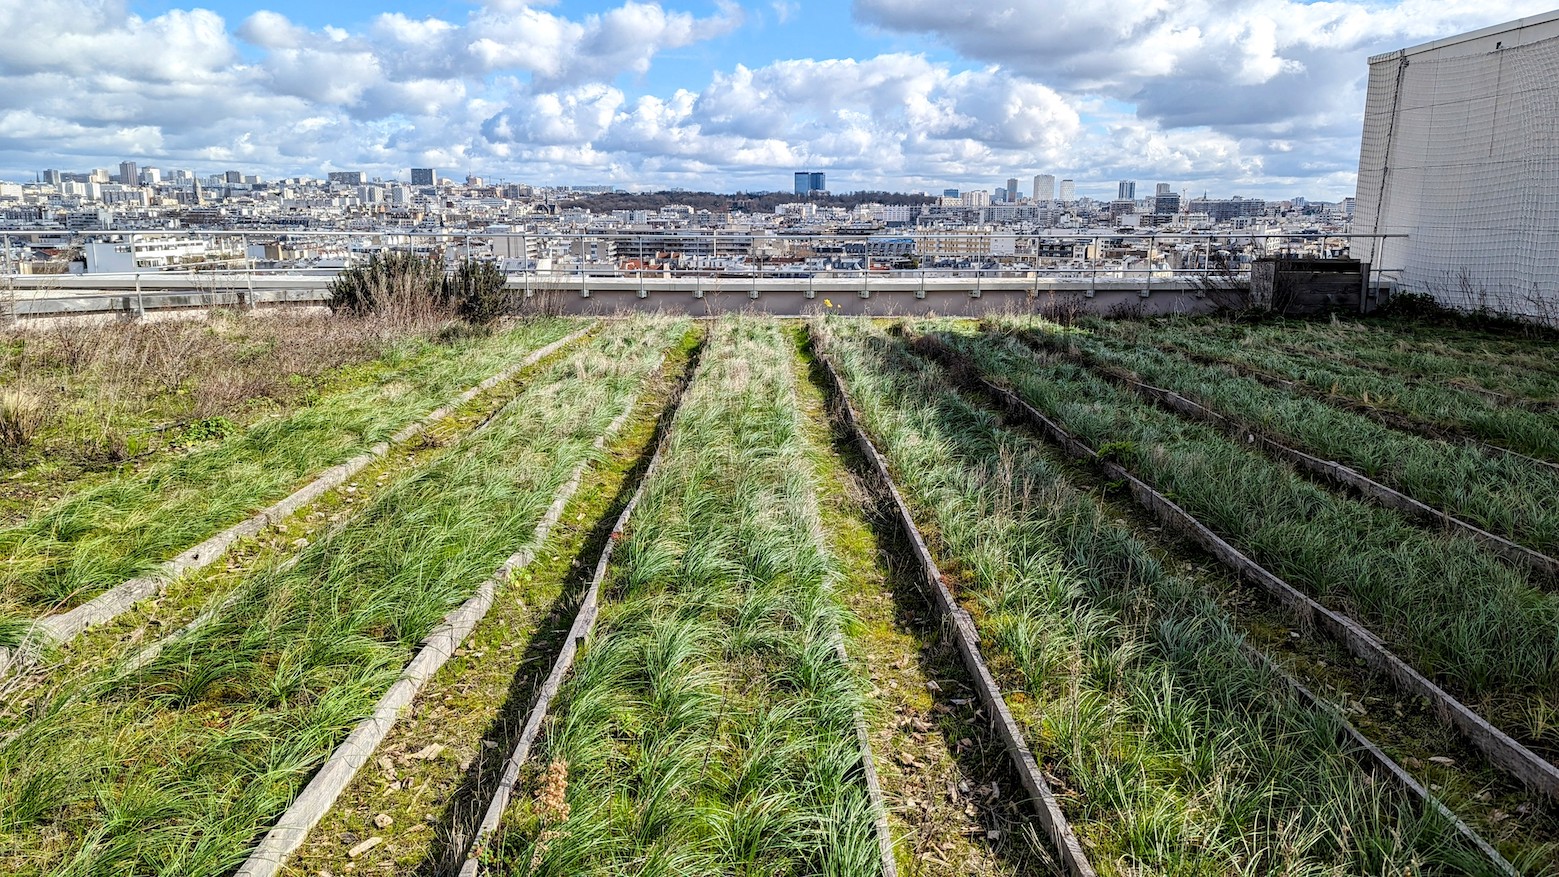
<point x="424" y="176"/>
<point x="1161" y="190"/>
<point x="1068" y="192"/>
<point x="1012" y="189"/>
<point x="233" y="177"/>
<point x="1044" y="188"/>
<point x="808" y="182"/>
<point x="128" y="174"/>
<point x="1126" y="191"/>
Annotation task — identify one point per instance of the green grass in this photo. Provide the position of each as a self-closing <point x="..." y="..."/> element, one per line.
<point x="1172" y="752"/>
<point x="120" y="529"/>
<point x="1453" y="610"/>
<point x="1502" y="494"/>
<point x="179" y="767"/>
<point x="708" y="727"/>
<point x="1434" y="405"/>
<point x="1497" y="361"/>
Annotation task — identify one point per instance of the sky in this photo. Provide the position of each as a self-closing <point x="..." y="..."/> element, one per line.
<point x="1256" y="97"/>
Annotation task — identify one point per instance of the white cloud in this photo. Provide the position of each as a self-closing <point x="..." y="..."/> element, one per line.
<point x="1230" y="94"/>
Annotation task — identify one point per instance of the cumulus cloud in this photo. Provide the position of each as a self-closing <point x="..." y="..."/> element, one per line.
<point x="1227" y="93"/>
<point x="1228" y="64"/>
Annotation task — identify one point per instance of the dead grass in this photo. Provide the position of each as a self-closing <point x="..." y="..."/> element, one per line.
<point x="123" y="389"/>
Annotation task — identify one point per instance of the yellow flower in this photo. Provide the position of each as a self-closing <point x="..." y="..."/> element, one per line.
<point x="828" y="303"/>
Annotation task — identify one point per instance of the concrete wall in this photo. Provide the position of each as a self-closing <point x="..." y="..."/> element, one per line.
<point x="1460" y="152"/>
<point x="875" y="296"/>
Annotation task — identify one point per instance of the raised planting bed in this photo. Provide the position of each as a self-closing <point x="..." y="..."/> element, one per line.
<point x="1144" y="709"/>
<point x="182" y="764"/>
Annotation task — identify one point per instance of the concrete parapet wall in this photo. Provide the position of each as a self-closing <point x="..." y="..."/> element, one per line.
<point x="872" y="296"/>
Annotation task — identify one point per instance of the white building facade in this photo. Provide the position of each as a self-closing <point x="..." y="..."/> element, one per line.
<point x="1460" y="154"/>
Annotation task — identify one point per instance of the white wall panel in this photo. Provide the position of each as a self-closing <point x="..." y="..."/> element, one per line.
<point x="1460" y="152"/>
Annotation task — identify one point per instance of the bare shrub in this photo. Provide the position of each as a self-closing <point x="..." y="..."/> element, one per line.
<point x="1063" y="310"/>
<point x="171" y="348"/>
<point x="73" y="349"/>
<point x="228" y="388"/>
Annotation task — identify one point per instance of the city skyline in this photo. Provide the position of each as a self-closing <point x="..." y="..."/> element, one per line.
<point x="901" y="95"/>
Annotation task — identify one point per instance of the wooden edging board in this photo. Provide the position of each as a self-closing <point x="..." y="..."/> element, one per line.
<point x="333" y="777"/>
<point x="1530" y="769"/>
<point x="56" y="630"/>
<point x="965" y="638"/>
<point x="1330" y="470"/>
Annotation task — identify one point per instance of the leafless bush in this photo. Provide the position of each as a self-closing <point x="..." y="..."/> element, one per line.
<point x="1063" y="310"/>
<point x="171" y="348"/>
<point x="229" y="388"/>
<point x="73" y="349"/>
<point x="1525" y="311"/>
<point x="1225" y="290"/>
<point x="1127" y="310"/>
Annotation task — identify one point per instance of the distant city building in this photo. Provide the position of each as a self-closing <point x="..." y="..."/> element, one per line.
<point x="1165" y="202"/>
<point x="424" y="176"/>
<point x="950" y="193"/>
<point x="128" y="174"/>
<point x="1161" y="189"/>
<point x="1044" y="188"/>
<point x="52" y="177"/>
<point x="1126" y="190"/>
<point x="808" y="182"/>
<point x="348" y="178"/>
<point x="1068" y="192"/>
<point x="1224" y="210"/>
<point x="233" y="177"/>
<point x="1458" y="158"/>
<point x="1000" y="196"/>
<point x="1012" y="189"/>
<point x="150" y="176"/>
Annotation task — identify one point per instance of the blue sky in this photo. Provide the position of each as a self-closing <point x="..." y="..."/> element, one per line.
<point x="1257" y="97"/>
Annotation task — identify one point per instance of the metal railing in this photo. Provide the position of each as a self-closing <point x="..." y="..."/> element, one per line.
<point x="695" y="261"/>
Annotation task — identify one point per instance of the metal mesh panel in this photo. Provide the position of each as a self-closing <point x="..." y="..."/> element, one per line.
<point x="1459" y="152"/>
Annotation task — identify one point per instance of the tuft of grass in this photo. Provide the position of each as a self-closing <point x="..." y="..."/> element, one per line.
<point x="22" y="415"/>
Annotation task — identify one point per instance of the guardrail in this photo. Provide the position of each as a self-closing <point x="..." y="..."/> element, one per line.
<point x="716" y="270"/>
